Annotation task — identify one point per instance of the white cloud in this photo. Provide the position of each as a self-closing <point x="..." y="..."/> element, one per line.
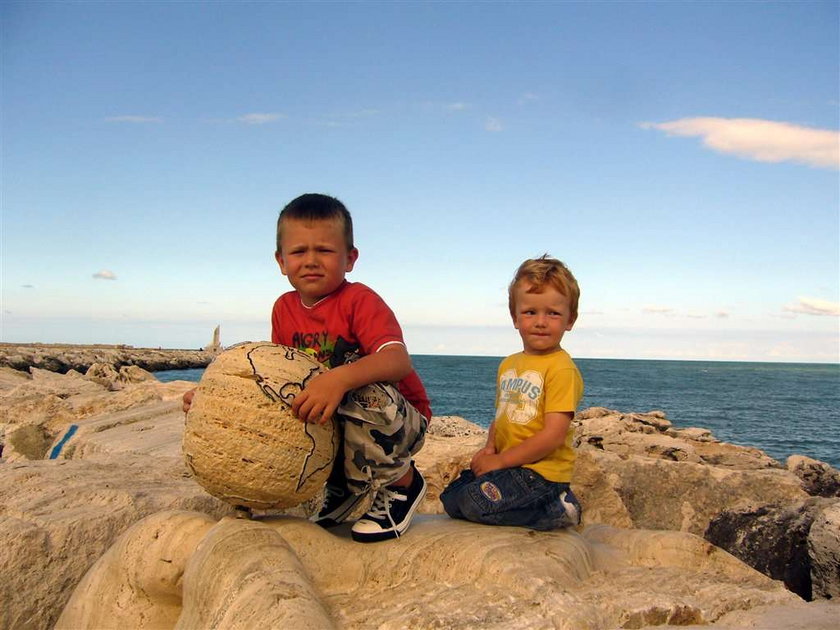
<point x="259" y="119"/>
<point x="528" y="97"/>
<point x="664" y="310"/>
<point x="105" y="274"/>
<point x="493" y="124"/>
<point x="135" y="119"/>
<point x="760" y="140"/>
<point x="457" y="107"/>
<point x="814" y="306"/>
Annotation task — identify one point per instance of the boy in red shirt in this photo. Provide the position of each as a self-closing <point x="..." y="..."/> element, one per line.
<point x="371" y="389"/>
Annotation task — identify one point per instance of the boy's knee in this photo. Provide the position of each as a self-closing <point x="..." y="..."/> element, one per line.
<point x="450" y="506"/>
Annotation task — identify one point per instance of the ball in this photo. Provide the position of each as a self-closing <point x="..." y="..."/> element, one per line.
<point x="241" y="440"/>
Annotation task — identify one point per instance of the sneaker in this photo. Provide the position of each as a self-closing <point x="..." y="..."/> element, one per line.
<point x="339" y="504"/>
<point x="391" y="512"/>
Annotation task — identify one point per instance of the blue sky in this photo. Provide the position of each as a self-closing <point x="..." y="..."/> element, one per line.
<point x="681" y="158"/>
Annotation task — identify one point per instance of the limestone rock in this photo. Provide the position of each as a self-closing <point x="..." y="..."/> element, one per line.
<point x="774" y="540"/>
<point x="824" y="551"/>
<point x="105" y="375"/>
<point x="651" y="435"/>
<point x="64" y="357"/>
<point x="9" y="378"/>
<point x="58" y="517"/>
<point x="242" y="441"/>
<point x="821" y="615"/>
<point x="818" y="478"/>
<point x="288" y="572"/>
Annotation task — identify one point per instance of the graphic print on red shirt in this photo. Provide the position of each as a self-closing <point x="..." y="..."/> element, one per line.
<point x="351" y="322"/>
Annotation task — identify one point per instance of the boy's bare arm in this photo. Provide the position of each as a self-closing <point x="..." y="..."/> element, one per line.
<point x="489" y="447"/>
<point x="550" y="438"/>
<point x="319" y="401"/>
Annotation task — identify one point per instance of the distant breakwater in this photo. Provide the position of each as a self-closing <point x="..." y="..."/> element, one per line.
<point x="62" y="358"/>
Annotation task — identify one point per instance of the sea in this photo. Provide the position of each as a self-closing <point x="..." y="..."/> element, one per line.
<point x="781" y="408"/>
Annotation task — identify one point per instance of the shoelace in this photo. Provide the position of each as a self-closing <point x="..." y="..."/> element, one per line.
<point x="382" y="505"/>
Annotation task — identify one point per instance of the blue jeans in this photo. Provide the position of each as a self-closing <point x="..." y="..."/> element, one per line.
<point x="512" y="496"/>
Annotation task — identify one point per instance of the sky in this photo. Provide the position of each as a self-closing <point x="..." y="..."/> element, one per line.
<point x="680" y="157"/>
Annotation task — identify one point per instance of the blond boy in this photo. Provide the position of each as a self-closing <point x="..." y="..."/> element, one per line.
<point x="521" y="476"/>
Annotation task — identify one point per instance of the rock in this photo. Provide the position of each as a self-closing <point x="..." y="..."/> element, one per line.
<point x="62" y="357"/>
<point x="773" y="540"/>
<point x="454" y="426"/>
<point x="58" y="517"/>
<point x="659" y="493"/>
<point x="651" y="435"/>
<point x="818" y="478"/>
<point x="27" y="441"/>
<point x="288" y="572"/>
<point x="821" y="615"/>
<point x="105" y="375"/>
<point x="135" y="374"/>
<point x="123" y="462"/>
<point x="824" y="551"/>
<point x="242" y="441"/>
<point x="9" y="379"/>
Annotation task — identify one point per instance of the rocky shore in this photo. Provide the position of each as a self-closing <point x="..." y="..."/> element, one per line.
<point x="62" y="358"/>
<point x="101" y="525"/>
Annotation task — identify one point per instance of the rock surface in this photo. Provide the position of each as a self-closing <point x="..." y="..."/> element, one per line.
<point x="62" y="357"/>
<point x="772" y="539"/>
<point x="287" y="572"/>
<point x="123" y="462"/>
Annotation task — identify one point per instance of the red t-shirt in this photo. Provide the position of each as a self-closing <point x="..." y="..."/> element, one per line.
<point x="351" y="322"/>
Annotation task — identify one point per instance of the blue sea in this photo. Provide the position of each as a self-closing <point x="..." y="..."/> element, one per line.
<point x="781" y="408"/>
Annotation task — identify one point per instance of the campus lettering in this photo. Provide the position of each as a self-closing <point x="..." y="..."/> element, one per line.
<point x="519" y="395"/>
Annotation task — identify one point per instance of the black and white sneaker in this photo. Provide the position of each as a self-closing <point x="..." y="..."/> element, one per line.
<point x="339" y="504"/>
<point x="391" y="512"/>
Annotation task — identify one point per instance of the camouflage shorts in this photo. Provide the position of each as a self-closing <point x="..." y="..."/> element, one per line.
<point x="381" y="432"/>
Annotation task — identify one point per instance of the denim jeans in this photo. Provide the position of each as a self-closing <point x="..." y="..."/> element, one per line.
<point x="512" y="496"/>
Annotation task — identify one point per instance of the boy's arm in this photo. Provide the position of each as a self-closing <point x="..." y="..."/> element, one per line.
<point x="489" y="447"/>
<point x="536" y="447"/>
<point x="319" y="401"/>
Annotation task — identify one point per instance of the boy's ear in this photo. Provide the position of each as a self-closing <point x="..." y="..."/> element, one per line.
<point x="279" y="258"/>
<point x="352" y="257"/>
<point x="571" y="324"/>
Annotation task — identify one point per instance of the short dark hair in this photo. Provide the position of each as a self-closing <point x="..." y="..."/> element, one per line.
<point x="316" y="207"/>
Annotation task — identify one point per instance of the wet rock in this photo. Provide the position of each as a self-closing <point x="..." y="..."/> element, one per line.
<point x="824" y="550"/>
<point x="818" y="478"/>
<point x="772" y="539"/>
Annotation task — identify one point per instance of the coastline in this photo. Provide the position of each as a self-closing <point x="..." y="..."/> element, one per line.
<point x="94" y="462"/>
<point x="62" y="358"/>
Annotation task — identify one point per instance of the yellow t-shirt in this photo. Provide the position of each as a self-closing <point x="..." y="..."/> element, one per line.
<point x="527" y="388"/>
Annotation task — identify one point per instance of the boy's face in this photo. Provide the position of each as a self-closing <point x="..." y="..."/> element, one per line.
<point x="314" y="256"/>
<point x="541" y="318"/>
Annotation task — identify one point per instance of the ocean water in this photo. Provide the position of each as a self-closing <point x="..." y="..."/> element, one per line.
<point x="781" y="408"/>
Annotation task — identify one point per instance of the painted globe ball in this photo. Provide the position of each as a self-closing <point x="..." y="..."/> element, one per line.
<point x="241" y="440"/>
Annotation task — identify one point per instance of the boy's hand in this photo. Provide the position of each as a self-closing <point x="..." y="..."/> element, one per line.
<point x="186" y="400"/>
<point x="485" y="461"/>
<point x="321" y="397"/>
